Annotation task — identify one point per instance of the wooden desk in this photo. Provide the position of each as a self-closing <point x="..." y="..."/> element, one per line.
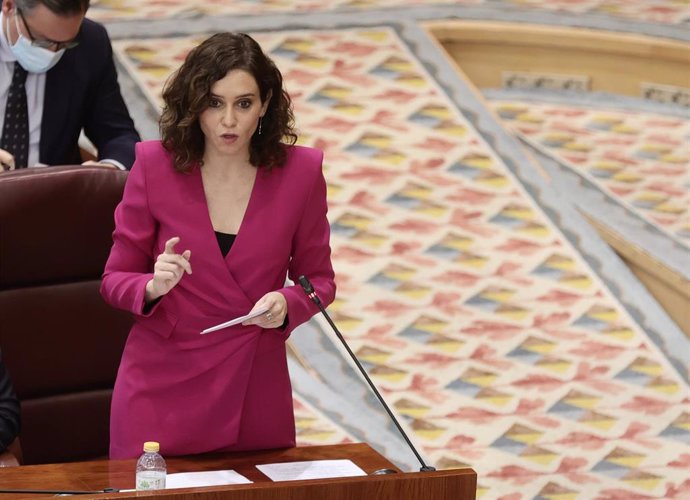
<point x="459" y="484"/>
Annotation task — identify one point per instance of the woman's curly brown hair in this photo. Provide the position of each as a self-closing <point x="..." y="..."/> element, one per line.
<point x="187" y="93"/>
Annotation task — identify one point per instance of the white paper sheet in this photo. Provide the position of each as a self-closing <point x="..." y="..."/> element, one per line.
<point x="204" y="478"/>
<point x="293" y="471"/>
<point x="236" y="321"/>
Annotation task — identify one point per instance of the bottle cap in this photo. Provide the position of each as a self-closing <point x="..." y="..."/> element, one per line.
<point x="151" y="446"/>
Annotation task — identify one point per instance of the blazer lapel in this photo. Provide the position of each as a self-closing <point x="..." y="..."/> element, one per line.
<point x="220" y="266"/>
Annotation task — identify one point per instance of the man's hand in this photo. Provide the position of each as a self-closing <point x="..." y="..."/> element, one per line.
<point x="6" y="160"/>
<point x="92" y="163"/>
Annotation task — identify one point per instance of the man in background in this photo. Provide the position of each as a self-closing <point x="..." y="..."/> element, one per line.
<point x="57" y="77"/>
<point x="9" y="410"/>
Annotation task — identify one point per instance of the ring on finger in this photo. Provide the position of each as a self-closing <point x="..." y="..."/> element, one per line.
<point x="269" y="316"/>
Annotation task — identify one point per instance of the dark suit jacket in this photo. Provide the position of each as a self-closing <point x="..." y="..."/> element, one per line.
<point x="9" y="410"/>
<point x="82" y="91"/>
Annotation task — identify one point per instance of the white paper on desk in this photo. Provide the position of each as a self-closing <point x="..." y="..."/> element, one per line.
<point x="204" y="478"/>
<point x="317" y="469"/>
<point x="236" y="321"/>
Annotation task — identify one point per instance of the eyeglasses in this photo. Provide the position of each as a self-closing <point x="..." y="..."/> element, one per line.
<point x="45" y="43"/>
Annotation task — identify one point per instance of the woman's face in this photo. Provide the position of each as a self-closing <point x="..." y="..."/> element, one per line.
<point x="232" y="115"/>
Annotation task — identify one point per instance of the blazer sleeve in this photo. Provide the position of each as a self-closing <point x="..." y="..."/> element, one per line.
<point x="311" y="257"/>
<point x="130" y="264"/>
<point x="9" y="410"/>
<point x="107" y="122"/>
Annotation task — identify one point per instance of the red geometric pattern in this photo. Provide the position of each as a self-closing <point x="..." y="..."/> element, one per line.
<point x="651" y="11"/>
<point x="487" y="332"/>
<point x="640" y="159"/>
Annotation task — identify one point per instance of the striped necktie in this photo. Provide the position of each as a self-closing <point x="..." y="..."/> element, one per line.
<point x="15" y="130"/>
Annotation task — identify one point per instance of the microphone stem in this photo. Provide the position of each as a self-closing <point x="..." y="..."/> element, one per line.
<point x="317" y="301"/>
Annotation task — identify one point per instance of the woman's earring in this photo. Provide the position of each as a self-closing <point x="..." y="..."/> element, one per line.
<point x="260" y="118"/>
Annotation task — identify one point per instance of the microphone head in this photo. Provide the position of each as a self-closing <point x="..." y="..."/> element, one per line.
<point x="306" y="284"/>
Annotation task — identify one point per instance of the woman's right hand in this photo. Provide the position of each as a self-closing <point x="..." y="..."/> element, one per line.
<point x="168" y="270"/>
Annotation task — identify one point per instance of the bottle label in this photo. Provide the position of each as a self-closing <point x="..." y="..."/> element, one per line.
<point x="150" y="480"/>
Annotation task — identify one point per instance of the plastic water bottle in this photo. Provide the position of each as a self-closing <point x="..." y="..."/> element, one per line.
<point x="151" y="468"/>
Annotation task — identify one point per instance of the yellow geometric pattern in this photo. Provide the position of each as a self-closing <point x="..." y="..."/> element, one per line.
<point x="658" y="11"/>
<point x="483" y="326"/>
<point x="640" y="159"/>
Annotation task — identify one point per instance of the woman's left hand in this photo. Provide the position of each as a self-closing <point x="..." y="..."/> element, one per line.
<point x="277" y="310"/>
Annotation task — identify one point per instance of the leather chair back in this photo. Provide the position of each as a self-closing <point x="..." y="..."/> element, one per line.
<point x="60" y="342"/>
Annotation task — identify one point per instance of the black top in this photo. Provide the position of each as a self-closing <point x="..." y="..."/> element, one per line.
<point x="225" y="241"/>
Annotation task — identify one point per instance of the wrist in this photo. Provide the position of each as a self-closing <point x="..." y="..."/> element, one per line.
<point x="150" y="293"/>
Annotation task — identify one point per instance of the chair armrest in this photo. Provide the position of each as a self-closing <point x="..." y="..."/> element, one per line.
<point x="12" y="456"/>
<point x="7" y="459"/>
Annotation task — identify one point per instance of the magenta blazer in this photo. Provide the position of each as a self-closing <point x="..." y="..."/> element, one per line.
<point x="227" y="390"/>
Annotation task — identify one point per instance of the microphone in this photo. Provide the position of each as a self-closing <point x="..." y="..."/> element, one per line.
<point x="309" y="290"/>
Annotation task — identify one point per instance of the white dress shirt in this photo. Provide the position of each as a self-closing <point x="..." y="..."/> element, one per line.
<point x="35" y="92"/>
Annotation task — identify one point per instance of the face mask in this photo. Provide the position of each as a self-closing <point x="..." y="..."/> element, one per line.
<point x="33" y="59"/>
